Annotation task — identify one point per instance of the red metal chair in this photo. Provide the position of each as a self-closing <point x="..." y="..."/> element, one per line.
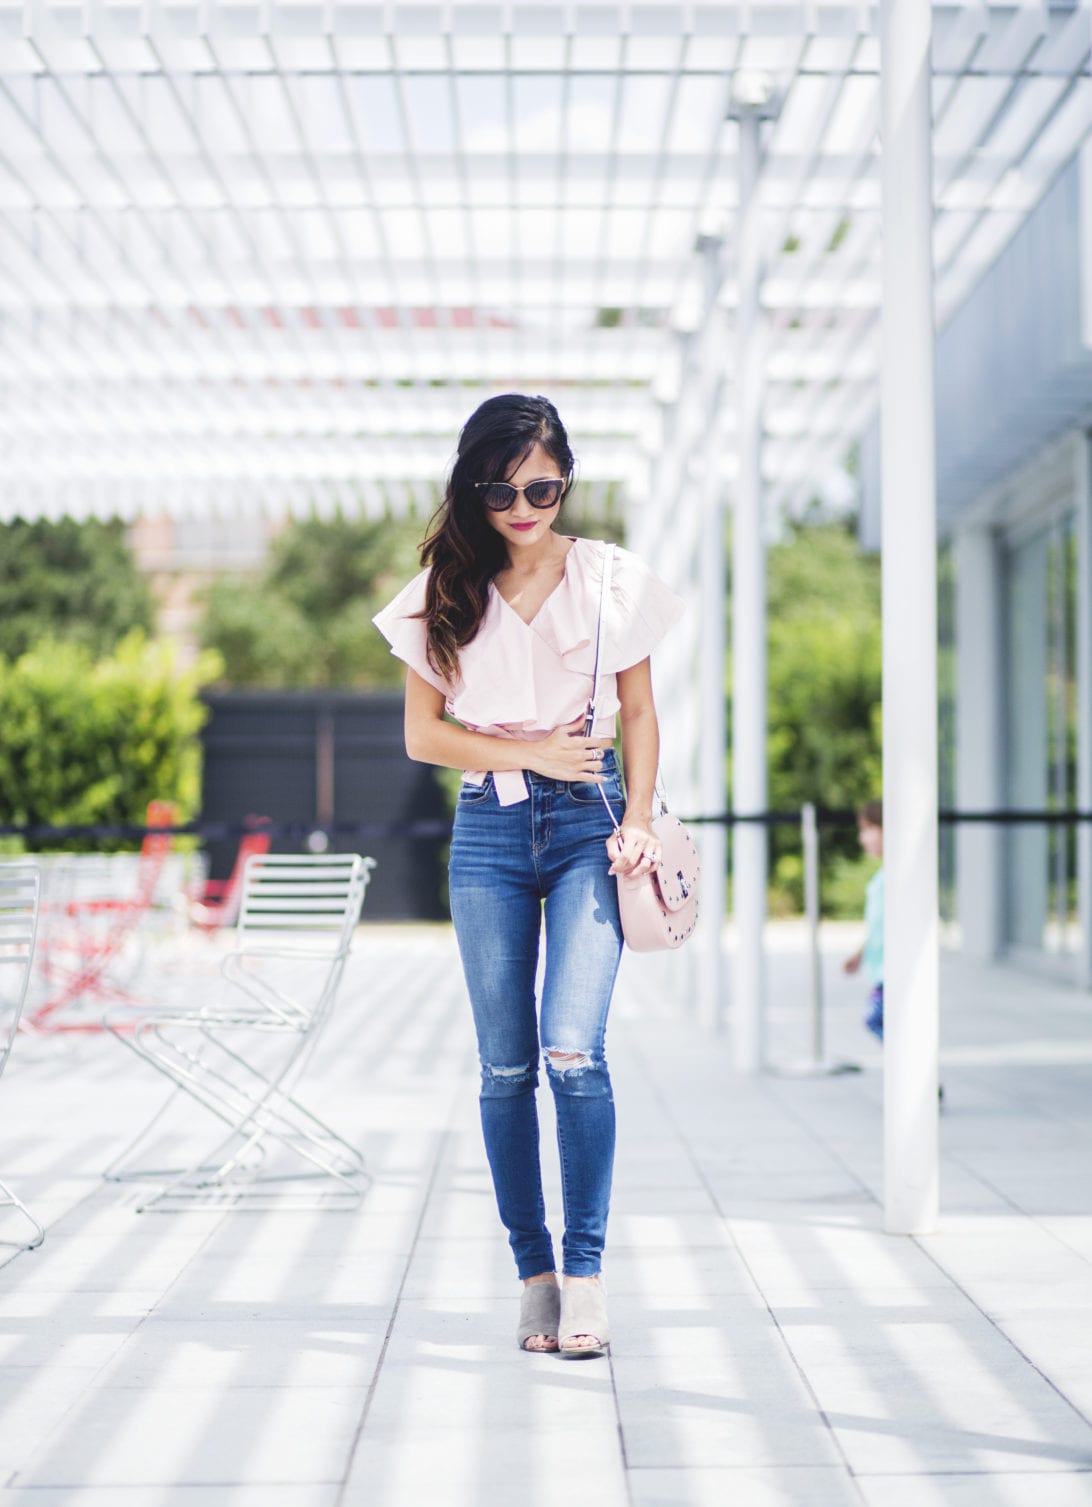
<point x="221" y="899"/>
<point x="83" y="943"/>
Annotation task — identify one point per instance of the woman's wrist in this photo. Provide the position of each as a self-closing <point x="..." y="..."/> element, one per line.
<point x="639" y="812"/>
<point x="528" y="761"/>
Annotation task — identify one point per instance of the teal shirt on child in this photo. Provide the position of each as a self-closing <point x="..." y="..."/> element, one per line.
<point x="872" y="953"/>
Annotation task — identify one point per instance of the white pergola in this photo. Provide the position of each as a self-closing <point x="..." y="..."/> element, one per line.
<point x="265" y="257"/>
<point x="268" y="257"/>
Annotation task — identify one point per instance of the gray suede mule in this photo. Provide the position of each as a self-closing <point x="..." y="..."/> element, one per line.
<point x="583" y="1311"/>
<point x="539" y="1312"/>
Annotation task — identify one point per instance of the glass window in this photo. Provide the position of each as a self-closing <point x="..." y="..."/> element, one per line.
<point x="946" y="725"/>
<point x="1041" y="743"/>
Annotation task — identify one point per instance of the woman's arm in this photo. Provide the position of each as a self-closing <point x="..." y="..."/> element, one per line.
<point x="565" y="755"/>
<point x="640" y="848"/>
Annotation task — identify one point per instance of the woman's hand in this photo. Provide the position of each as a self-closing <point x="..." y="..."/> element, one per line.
<point x="635" y="850"/>
<point x="851" y="965"/>
<point x="567" y="755"/>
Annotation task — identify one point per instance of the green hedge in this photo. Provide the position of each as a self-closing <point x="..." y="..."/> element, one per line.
<point x="89" y="740"/>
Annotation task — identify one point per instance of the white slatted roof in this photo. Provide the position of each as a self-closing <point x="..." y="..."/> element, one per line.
<point x="259" y="256"/>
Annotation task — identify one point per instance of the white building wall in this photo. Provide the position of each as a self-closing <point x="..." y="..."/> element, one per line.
<point x="1014" y="403"/>
<point x="1014" y="362"/>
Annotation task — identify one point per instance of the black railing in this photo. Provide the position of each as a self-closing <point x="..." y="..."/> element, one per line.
<point x="439" y="827"/>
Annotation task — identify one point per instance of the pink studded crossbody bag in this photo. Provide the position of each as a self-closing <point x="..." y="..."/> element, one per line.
<point x="658" y="910"/>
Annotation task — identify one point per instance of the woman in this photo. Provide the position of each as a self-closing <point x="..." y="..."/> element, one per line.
<point x="499" y="631"/>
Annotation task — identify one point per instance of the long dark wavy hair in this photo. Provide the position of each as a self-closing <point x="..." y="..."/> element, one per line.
<point x="462" y="550"/>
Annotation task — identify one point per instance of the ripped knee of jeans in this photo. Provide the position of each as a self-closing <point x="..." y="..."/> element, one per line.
<point x="499" y="1081"/>
<point x="568" y="1062"/>
<point x="577" y="1073"/>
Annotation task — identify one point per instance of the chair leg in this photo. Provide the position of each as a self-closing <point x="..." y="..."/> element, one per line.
<point x="8" y="1199"/>
<point x="255" y="1110"/>
<point x="192" y="1075"/>
<point x="322" y="1132"/>
<point x="116" y="1171"/>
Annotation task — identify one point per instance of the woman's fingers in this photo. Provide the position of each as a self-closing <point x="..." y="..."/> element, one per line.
<point x="591" y="766"/>
<point x="635" y="854"/>
<point x="573" y="744"/>
<point x="570" y="755"/>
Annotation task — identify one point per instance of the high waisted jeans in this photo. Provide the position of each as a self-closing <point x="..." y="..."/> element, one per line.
<point x="506" y="861"/>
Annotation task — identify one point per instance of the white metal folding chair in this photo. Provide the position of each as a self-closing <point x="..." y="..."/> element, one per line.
<point x="20" y="896"/>
<point x="241" y="1055"/>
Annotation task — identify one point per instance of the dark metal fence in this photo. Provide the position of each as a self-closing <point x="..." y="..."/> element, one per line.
<point x="323" y="766"/>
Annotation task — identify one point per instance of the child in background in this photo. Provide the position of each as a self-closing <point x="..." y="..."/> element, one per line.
<point x="870" y="831"/>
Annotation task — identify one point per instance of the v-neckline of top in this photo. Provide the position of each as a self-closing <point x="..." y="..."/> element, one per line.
<point x="529" y="622"/>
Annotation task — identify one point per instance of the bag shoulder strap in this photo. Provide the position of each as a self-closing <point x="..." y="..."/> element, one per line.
<point x="604" y="592"/>
<point x="589" y="721"/>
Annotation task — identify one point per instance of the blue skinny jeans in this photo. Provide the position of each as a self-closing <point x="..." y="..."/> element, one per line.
<point x="508" y="865"/>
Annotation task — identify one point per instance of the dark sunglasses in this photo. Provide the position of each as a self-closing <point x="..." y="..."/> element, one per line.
<point x="499" y="496"/>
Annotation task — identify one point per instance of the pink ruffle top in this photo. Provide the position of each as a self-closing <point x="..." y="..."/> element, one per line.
<point x="523" y="680"/>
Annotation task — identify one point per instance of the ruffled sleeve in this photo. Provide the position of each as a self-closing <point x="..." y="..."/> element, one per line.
<point x="406" y="633"/>
<point x="640" y="610"/>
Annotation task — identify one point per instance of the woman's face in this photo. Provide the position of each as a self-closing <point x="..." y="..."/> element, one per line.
<point x="522" y="525"/>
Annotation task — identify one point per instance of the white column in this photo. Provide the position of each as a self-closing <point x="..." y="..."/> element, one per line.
<point x="713" y="765"/>
<point x="1083" y="493"/>
<point x="911" y="985"/>
<point x="978" y="739"/>
<point x="712" y="653"/>
<point x="1084" y="168"/>
<point x="749" y="861"/>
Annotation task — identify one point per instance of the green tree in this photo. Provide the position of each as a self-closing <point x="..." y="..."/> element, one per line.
<point x="307" y="620"/>
<point x="825" y="680"/>
<point x="67" y="580"/>
<point x="262" y="639"/>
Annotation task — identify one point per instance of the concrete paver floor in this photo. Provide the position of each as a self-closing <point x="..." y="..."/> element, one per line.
<point x="772" y="1346"/>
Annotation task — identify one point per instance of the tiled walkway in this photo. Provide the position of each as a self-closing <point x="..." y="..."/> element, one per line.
<point x="772" y="1344"/>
